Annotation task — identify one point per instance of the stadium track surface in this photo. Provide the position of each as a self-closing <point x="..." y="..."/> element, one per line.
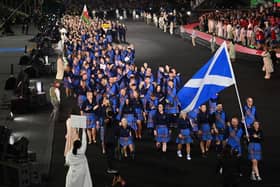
<point x="149" y="170"/>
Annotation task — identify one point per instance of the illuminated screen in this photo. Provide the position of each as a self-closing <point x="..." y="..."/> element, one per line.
<point x="254" y="3"/>
<point x="277" y="2"/>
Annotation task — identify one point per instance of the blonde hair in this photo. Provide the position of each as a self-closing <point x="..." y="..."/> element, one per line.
<point x="123" y="120"/>
<point x="182" y="113"/>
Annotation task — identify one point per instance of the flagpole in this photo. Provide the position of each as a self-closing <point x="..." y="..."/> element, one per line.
<point x="241" y="110"/>
<point x="237" y="93"/>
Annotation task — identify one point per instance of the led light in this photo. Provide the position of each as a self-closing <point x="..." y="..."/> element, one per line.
<point x="12" y="140"/>
<point x="39" y="87"/>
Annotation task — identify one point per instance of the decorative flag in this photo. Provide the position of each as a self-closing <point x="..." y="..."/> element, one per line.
<point x="85" y="16"/>
<point x="212" y="78"/>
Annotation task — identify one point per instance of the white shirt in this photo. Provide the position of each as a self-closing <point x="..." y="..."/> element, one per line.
<point x="57" y="93"/>
<point x="193" y="34"/>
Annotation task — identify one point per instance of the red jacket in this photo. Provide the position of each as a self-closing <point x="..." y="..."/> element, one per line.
<point x="259" y="35"/>
<point x="273" y="34"/>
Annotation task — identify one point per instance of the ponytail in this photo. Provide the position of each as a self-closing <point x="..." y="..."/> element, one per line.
<point x="74" y="151"/>
<point x="77" y="144"/>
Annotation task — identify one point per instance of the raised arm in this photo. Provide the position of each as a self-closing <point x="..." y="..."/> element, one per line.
<point x="83" y="148"/>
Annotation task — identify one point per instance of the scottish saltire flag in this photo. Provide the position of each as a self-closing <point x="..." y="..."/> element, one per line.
<point x="212" y="78"/>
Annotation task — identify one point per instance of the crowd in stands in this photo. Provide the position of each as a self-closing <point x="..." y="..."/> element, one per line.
<point x="252" y="28"/>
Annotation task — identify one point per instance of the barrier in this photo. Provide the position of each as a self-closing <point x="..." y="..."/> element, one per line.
<point x="239" y="48"/>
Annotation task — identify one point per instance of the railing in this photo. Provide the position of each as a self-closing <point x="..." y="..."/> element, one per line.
<point x="196" y="3"/>
<point x="13" y="12"/>
<point x="19" y="12"/>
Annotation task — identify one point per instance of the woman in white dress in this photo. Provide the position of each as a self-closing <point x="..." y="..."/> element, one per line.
<point x="211" y="25"/>
<point x="231" y="50"/>
<point x="71" y="136"/>
<point x="220" y="29"/>
<point x="78" y="174"/>
<point x="267" y="63"/>
<point x="213" y="43"/>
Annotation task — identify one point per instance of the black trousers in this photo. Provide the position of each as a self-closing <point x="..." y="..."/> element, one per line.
<point x="110" y="154"/>
<point x="231" y="181"/>
<point x="121" y="37"/>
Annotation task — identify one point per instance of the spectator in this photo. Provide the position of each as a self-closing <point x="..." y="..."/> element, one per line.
<point x="231" y="49"/>
<point x="55" y="100"/>
<point x="193" y="36"/>
<point x="267" y="63"/>
<point x="213" y="43"/>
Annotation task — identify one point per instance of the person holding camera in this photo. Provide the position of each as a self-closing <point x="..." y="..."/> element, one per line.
<point x="229" y="167"/>
<point x="110" y="139"/>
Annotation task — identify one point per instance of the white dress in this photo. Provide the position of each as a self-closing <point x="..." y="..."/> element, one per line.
<point x="220" y="29"/>
<point x="78" y="174"/>
<point x="267" y="62"/>
<point x="60" y="69"/>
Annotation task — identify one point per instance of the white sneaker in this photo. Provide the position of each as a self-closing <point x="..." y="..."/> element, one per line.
<point x="253" y="177"/>
<point x="259" y="178"/>
<point x="179" y="154"/>
<point x="189" y="157"/>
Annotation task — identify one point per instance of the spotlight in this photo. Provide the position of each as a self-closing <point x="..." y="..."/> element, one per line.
<point x="39" y="87"/>
<point x="137" y="16"/>
<point x="20" y="119"/>
<point x="12" y="139"/>
<point x="121" y="17"/>
<point x="189" y="13"/>
<point x="11" y="116"/>
<point x="46" y="60"/>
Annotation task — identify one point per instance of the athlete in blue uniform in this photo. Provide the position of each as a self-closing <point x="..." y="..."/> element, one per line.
<point x="89" y="109"/>
<point x="184" y="135"/>
<point x="255" y="150"/>
<point x="219" y="127"/>
<point x="250" y="112"/>
<point x="203" y="120"/>
<point x="161" y="131"/>
<point x="126" y="138"/>
<point x="234" y="134"/>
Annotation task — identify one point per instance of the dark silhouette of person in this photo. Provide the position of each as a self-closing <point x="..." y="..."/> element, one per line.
<point x="229" y="167"/>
